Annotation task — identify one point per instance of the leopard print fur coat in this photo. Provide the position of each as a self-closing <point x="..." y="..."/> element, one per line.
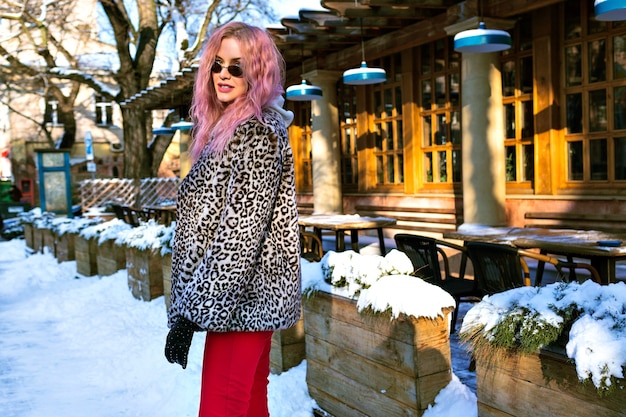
<point x="236" y="251"/>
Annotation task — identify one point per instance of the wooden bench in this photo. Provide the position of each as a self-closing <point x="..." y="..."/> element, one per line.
<point x="133" y="216"/>
<point x="585" y="221"/>
<point x="424" y="219"/>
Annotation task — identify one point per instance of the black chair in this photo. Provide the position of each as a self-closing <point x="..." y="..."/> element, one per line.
<point x="311" y="246"/>
<point x="499" y="267"/>
<point x="425" y="254"/>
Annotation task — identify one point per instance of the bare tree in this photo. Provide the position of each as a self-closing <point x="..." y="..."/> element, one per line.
<point x="39" y="56"/>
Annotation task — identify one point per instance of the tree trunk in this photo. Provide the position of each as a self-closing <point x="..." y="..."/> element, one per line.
<point x="137" y="158"/>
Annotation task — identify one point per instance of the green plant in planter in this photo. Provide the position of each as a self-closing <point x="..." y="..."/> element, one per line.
<point x="587" y="320"/>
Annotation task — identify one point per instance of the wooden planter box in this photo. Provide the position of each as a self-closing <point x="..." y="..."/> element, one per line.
<point x="145" y="273"/>
<point x="110" y="257"/>
<point x="28" y="235"/>
<point x="86" y="251"/>
<point x="540" y="385"/>
<point x="37" y="239"/>
<point x="48" y="241"/>
<point x="65" y="248"/>
<point x="360" y="365"/>
<point x="167" y="279"/>
<point x="288" y="348"/>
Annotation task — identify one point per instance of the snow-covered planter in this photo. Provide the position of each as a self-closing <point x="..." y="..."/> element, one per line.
<point x="66" y="236"/>
<point x="143" y="258"/>
<point x="42" y="232"/>
<point x="28" y="219"/>
<point x="377" y="344"/>
<point x="556" y="348"/>
<point x="110" y="257"/>
<point x="166" y="253"/>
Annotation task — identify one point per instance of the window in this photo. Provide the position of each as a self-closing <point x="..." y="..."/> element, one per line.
<point x="306" y="162"/>
<point x="594" y="84"/>
<point x="104" y="111"/>
<point x="349" y="135"/>
<point x="517" y="99"/>
<point x="388" y="133"/>
<point x="439" y="95"/>
<point x="51" y="114"/>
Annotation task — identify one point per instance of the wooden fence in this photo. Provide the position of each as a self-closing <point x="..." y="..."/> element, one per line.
<point x="135" y="193"/>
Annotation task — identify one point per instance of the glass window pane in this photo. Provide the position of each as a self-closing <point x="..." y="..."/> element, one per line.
<point x="573" y="27"/>
<point x="380" y="173"/>
<point x="597" y="60"/>
<point x="391" y="169"/>
<point x="440" y="55"/>
<point x="525" y="33"/>
<point x="425" y="59"/>
<point x="427" y="131"/>
<point x="390" y="138"/>
<point x="378" y="104"/>
<point x="597" y="111"/>
<point x="388" y="103"/>
<point x="456" y="165"/>
<point x="528" y="162"/>
<point x="619" y="57"/>
<point x="619" y="163"/>
<point x="401" y="169"/>
<point x="440" y="84"/>
<point x="443" y="166"/>
<point x="619" y="108"/>
<point x="400" y="133"/>
<point x="378" y="137"/>
<point x="509" y="120"/>
<point x="508" y="78"/>
<point x="526" y="75"/>
<point x="441" y="134"/>
<point x="528" y="119"/>
<point x="511" y="163"/>
<point x="573" y="65"/>
<point x="575" y="161"/>
<point x="574" y="103"/>
<point x="455" y="127"/>
<point x="428" y="166"/>
<point x="426" y="94"/>
<point x="455" y="84"/>
<point x="598" y="154"/>
<point x="398" y="94"/>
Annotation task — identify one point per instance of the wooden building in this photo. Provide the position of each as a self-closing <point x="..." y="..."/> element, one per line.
<point x="501" y="138"/>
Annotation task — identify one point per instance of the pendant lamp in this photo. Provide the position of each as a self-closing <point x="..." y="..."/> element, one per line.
<point x="482" y="40"/>
<point x="182" y="125"/>
<point x="364" y="75"/>
<point x="303" y="92"/>
<point x="607" y="10"/>
<point x="163" y="130"/>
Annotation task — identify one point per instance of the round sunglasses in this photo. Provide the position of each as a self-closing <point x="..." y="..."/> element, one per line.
<point x="234" y="70"/>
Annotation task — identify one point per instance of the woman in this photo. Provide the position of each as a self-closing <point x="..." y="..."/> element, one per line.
<point x="235" y="263"/>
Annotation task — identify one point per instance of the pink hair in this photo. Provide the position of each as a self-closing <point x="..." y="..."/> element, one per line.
<point x="264" y="71"/>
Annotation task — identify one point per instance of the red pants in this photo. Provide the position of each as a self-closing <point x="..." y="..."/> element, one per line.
<point x="235" y="374"/>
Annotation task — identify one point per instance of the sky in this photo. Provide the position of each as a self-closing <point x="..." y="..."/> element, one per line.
<point x="85" y="347"/>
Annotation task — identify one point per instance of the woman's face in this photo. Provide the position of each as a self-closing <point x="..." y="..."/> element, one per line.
<point x="228" y="81"/>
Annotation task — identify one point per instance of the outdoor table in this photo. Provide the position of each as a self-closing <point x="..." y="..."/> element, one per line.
<point x="565" y="242"/>
<point x="341" y="223"/>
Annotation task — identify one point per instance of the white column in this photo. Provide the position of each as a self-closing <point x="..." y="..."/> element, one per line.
<point x="482" y="127"/>
<point x="325" y="146"/>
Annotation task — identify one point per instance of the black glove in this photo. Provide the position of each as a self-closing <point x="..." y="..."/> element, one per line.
<point x="179" y="341"/>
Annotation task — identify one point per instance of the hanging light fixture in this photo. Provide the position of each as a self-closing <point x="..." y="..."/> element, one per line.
<point x="482" y="40"/>
<point x="364" y="75"/>
<point x="182" y="125"/>
<point x="607" y="10"/>
<point x="303" y="91"/>
<point x="163" y="130"/>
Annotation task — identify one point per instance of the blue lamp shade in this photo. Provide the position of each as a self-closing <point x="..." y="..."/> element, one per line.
<point x="162" y="130"/>
<point x="607" y="10"/>
<point x="303" y="92"/>
<point x="364" y="75"/>
<point x="182" y="125"/>
<point x="482" y="40"/>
